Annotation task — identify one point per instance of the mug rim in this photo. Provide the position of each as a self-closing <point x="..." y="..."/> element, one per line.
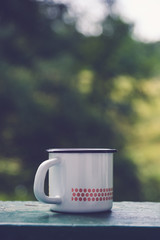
<point x="81" y="150"/>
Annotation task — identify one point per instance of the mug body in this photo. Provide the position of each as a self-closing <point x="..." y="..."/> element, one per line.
<point x="83" y="179"/>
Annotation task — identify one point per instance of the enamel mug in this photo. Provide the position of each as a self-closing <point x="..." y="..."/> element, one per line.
<point x="80" y="180"/>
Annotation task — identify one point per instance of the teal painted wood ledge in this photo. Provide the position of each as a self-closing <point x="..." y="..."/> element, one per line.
<point x="34" y="220"/>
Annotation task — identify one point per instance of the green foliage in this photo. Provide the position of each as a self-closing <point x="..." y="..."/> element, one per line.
<point x="59" y="88"/>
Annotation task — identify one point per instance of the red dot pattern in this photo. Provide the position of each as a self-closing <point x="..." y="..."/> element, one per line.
<point x="91" y="194"/>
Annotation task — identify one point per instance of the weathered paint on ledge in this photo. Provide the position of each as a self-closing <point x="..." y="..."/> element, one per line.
<point x="34" y="220"/>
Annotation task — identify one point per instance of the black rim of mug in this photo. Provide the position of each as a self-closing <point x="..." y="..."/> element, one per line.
<point x="81" y="150"/>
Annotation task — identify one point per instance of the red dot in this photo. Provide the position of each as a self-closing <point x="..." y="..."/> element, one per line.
<point x="72" y="198"/>
<point x="84" y="199"/>
<point x="100" y="198"/>
<point x="104" y="198"/>
<point x="106" y="189"/>
<point x="80" y="199"/>
<point x="89" y="199"/>
<point x="101" y="190"/>
<point x="99" y="194"/>
<point x="102" y="194"/>
<point x="74" y="194"/>
<point x="93" y="190"/>
<point x="76" y="199"/>
<point x="97" y="199"/>
<point x="93" y="199"/>
<point x="80" y="189"/>
<point x="76" y="190"/>
<point x="95" y="194"/>
<point x="89" y="190"/>
<point x="82" y="194"/>
<point x="72" y="189"/>
<point x="97" y="190"/>
<point x="85" y="190"/>
<point x="78" y="194"/>
<point x="91" y="194"/>
<point x="87" y="194"/>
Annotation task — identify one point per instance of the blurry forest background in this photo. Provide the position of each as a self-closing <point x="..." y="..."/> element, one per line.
<point x="61" y="88"/>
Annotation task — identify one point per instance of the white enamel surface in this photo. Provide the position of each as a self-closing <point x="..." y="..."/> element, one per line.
<point x="40" y="179"/>
<point x="78" y="182"/>
<point x="80" y="171"/>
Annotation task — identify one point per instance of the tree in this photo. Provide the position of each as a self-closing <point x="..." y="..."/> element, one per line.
<point x="60" y="88"/>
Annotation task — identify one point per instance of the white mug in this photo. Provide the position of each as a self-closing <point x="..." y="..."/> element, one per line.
<point x="80" y="180"/>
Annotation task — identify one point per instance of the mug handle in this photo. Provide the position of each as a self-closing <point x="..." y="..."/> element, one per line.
<point x="40" y="179"/>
